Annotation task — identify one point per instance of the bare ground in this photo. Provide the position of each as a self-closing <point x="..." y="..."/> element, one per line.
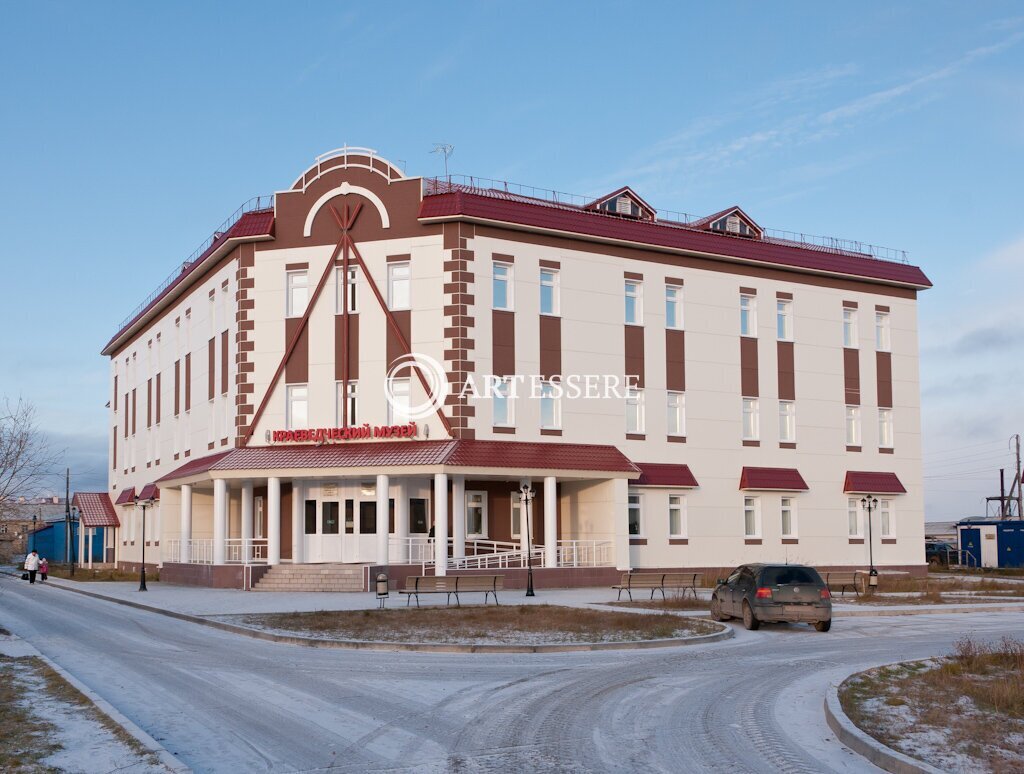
<point x="521" y="624"/>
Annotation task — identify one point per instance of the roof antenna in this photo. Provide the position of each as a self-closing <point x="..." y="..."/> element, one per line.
<point x="445" y="148"/>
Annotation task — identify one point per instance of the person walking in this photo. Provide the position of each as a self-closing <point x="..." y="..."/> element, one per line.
<point x="44" y="568"/>
<point x="32" y="565"/>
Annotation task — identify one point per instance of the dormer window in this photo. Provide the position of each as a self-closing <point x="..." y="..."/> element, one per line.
<point x="732" y="224"/>
<point x="732" y="221"/>
<point x="624" y="202"/>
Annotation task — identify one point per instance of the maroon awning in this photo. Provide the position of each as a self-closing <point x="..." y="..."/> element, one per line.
<point x="150" y="492"/>
<point x="865" y="482"/>
<point x="778" y="479"/>
<point x="95" y="509"/>
<point x="662" y="474"/>
<point x="127" y="497"/>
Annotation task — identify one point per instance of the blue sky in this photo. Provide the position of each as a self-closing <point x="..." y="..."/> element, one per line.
<point x="130" y="130"/>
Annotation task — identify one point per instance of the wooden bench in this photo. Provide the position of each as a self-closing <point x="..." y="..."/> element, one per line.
<point x="451" y="585"/>
<point x="842" y="581"/>
<point x="659" y="581"/>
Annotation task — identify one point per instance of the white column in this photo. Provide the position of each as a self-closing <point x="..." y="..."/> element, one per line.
<point x="220" y="518"/>
<point x="92" y="535"/>
<point x="383" y="517"/>
<point x="459" y="517"/>
<point x="186" y="522"/>
<point x="550" y="522"/>
<point x="619" y="488"/>
<point x="298" y="520"/>
<point x="402" y="520"/>
<point x="440" y="524"/>
<point x="247" y="501"/>
<point x="524" y="508"/>
<point x="81" y="540"/>
<point x="273" y="521"/>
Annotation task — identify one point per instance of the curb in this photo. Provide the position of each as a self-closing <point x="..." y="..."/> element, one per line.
<point x="426" y="647"/>
<point x="867" y="746"/>
<point x="881" y="612"/>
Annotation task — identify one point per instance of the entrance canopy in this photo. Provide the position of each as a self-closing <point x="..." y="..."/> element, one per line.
<point x="569" y="460"/>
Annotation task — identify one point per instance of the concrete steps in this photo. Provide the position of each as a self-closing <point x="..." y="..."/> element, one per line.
<point x="312" y="577"/>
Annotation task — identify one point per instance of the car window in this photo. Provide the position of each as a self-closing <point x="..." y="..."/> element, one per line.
<point x="731" y="580"/>
<point x="785" y="576"/>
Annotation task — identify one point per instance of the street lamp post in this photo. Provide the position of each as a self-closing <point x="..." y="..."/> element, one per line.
<point x="526" y="496"/>
<point x="142" y="567"/>
<point x="870" y="502"/>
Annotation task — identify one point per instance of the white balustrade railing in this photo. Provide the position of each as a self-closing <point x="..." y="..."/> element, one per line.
<point x="195" y="551"/>
<point x="502" y="560"/>
<point x="585" y="553"/>
<point x="249" y="551"/>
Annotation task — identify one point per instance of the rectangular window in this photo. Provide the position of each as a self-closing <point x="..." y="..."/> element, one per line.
<point x="635" y="411"/>
<point x="329" y="518"/>
<point x="634" y="302"/>
<point x="298" y="407"/>
<point x="310" y="520"/>
<point x="550" y="408"/>
<point x="676" y="414"/>
<point x="784" y="320"/>
<point x="748" y="315"/>
<point x="787" y="512"/>
<point x="350" y="518"/>
<point x="751" y="517"/>
<point x="787" y="421"/>
<point x="501" y="286"/>
<point x="367" y="517"/>
<point x="674" y="307"/>
<point x="342" y="287"/>
<point x="676" y="516"/>
<point x="398" y="286"/>
<point x="257" y="517"/>
<point x="515" y="511"/>
<point x="418" y="516"/>
<point x="850" y="328"/>
<point x="340" y="396"/>
<point x="549" y="291"/>
<point x="885" y="518"/>
<point x="476" y="515"/>
<point x="885" y="437"/>
<point x="853" y="425"/>
<point x="298" y="293"/>
<point x="635" y="513"/>
<point x="853" y="517"/>
<point x="502" y="404"/>
<point x="883" y="341"/>
<point x="751" y="421"/>
<point x="398" y="406"/>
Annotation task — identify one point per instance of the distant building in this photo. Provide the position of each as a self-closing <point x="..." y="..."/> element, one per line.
<point x="19" y="518"/>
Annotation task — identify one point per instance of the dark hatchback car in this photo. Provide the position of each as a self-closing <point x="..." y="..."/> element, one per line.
<point x="762" y="593"/>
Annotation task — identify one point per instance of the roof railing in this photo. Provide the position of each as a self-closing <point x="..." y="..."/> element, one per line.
<point x="255" y="204"/>
<point x="502" y="188"/>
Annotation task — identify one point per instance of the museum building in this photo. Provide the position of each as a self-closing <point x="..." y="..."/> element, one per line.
<point x="444" y="375"/>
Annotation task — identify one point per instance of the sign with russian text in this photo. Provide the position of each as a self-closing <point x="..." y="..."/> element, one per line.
<point x="335" y="434"/>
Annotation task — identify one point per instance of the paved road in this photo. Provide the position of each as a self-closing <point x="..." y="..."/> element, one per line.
<point x="221" y="702"/>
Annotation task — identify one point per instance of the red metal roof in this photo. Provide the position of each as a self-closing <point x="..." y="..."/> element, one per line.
<point x="542" y="215"/>
<point x="150" y="492"/>
<point x="95" y="509"/>
<point x="779" y="479"/>
<point x="127" y="496"/>
<point x="662" y="474"/>
<point x="457" y="453"/>
<point x="864" y="482"/>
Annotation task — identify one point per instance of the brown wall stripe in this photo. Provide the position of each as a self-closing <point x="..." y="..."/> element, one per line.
<point x="674" y="281"/>
<point x="135" y="405"/>
<point x="787" y="371"/>
<point x="403" y="318"/>
<point x="127" y="413"/>
<point x="297" y="369"/>
<point x="748" y="291"/>
<point x="157" y="419"/>
<point x="784" y="296"/>
<point x="748" y="367"/>
<point x="849" y="304"/>
<point x="883" y="367"/>
<point x="296" y="266"/>
<point x="211" y="369"/>
<point x="115" y="392"/>
<point x="851" y="376"/>
<point x="634" y="344"/>
<point x="632" y="275"/>
<point x="352" y="349"/>
<point x="550" y="346"/>
<point x="503" y="342"/>
<point x="544" y="264"/>
<point x="399" y="258"/>
<point x="675" y="360"/>
<point x="149" y="403"/>
<point x="177" y="387"/>
<point x="881" y="308"/>
<point x="224" y="363"/>
<point x="500" y="258"/>
<point x="113" y="459"/>
<point x="188" y="382"/>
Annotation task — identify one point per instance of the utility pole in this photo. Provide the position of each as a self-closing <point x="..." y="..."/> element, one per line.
<point x="1017" y="476"/>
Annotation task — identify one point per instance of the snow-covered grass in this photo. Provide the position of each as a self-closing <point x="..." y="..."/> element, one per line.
<point x="964" y="712"/>
<point x="518" y="625"/>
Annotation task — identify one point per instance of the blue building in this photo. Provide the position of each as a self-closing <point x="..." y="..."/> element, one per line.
<point x="991" y="542"/>
<point x="49" y="541"/>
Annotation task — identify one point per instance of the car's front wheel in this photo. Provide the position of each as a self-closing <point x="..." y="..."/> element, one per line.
<point x="823" y="626"/>
<point x="749" y="619"/>
<point x="716" y="609"/>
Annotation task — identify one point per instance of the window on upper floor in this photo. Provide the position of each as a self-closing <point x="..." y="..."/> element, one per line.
<point x="549" y="302"/>
<point x="883" y="337"/>
<point x="885" y="435"/>
<point x="501" y="286"/>
<point x="784" y="319"/>
<point x="850" y="328"/>
<point x="298" y="406"/>
<point x="636" y="513"/>
<point x="297" y="293"/>
<point x="676" y="418"/>
<point x="787" y="516"/>
<point x="751" y="517"/>
<point x="349" y="394"/>
<point x="748" y="315"/>
<point x="751" y="420"/>
<point x="635" y="410"/>
<point x="787" y="421"/>
<point x="853" y="425"/>
<point x="674" y="307"/>
<point x="503" y="412"/>
<point x="677" y="516"/>
<point x="887" y="518"/>
<point x="398" y="286"/>
<point x="634" y="302"/>
<point x="342" y="289"/>
<point x="398" y="406"/>
<point x="853" y="519"/>
<point x="550" y="407"/>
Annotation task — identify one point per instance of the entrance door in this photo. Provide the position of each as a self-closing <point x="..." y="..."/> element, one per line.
<point x="330" y="531"/>
<point x="970" y="541"/>
<point x="312" y="548"/>
<point x="349" y="540"/>
<point x="1011" y="545"/>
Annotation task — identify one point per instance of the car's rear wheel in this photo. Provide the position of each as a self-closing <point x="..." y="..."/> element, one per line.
<point x="823" y="626"/>
<point x="749" y="619"/>
<point x="716" y="609"/>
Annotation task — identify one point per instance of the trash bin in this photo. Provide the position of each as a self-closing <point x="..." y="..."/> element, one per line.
<point x="382" y="589"/>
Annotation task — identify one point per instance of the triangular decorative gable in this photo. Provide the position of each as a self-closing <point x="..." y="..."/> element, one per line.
<point x="626" y="202"/>
<point x="731" y="221"/>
